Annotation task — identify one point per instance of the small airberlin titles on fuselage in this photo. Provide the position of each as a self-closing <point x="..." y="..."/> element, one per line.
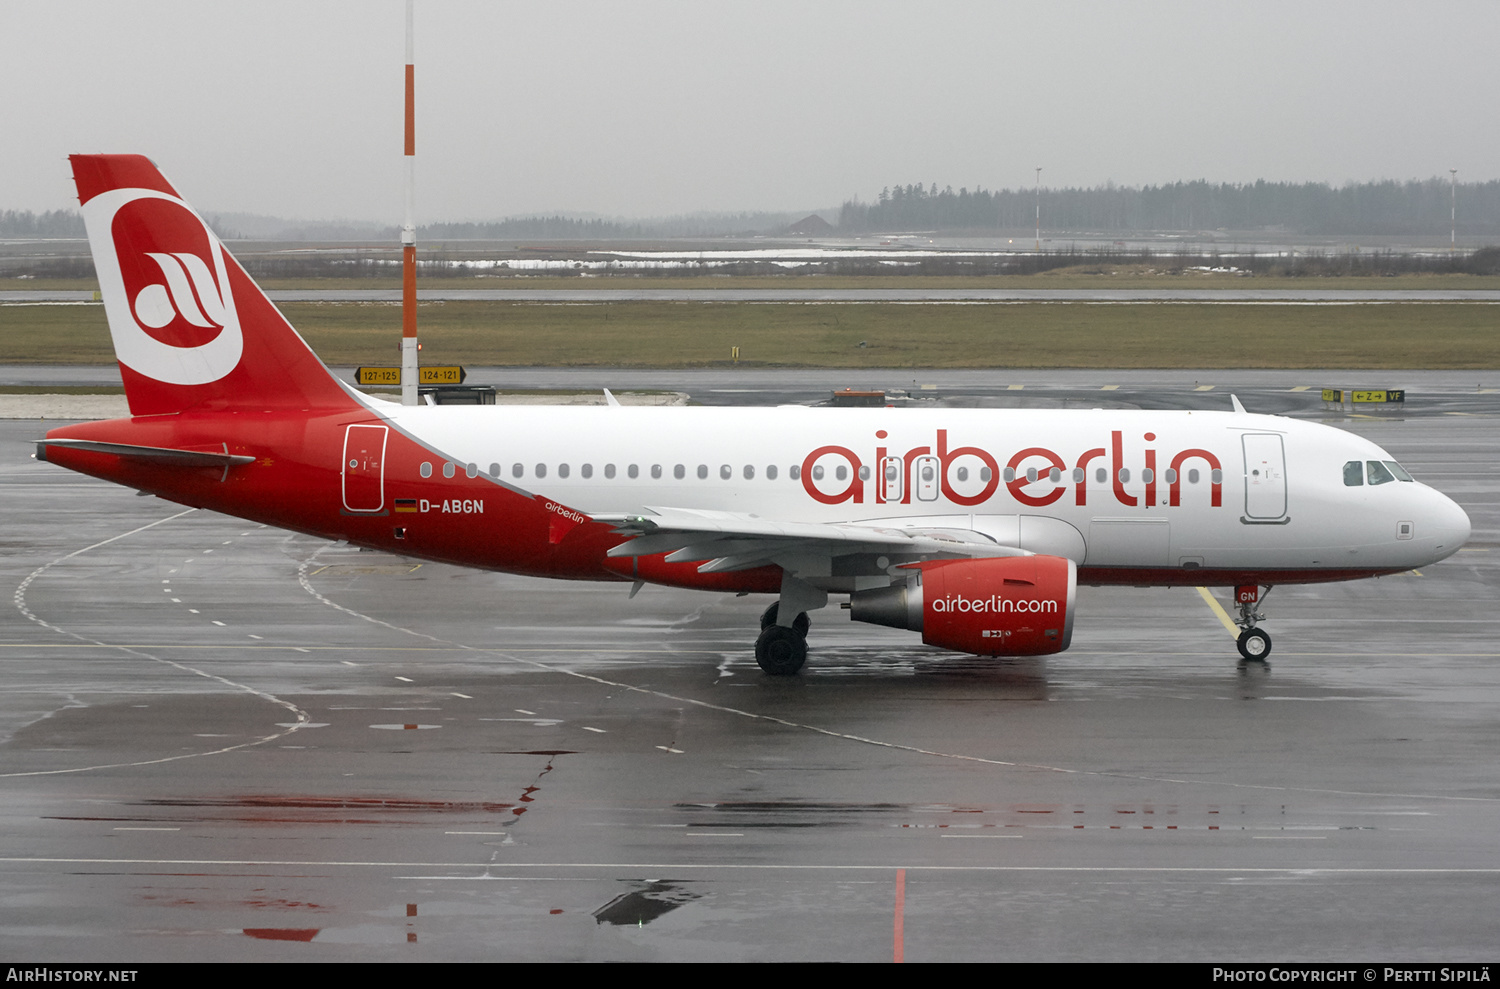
<point x="921" y="473"/>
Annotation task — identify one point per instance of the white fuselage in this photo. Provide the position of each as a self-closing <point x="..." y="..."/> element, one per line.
<point x="1283" y="500"/>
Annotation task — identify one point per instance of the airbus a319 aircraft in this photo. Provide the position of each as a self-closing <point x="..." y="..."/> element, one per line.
<point x="972" y="527"/>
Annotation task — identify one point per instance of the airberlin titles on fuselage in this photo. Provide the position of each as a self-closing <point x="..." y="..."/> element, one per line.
<point x="921" y="473"/>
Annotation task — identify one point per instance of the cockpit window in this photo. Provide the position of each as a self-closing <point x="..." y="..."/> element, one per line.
<point x="1354" y="474"/>
<point x="1378" y="472"/>
<point x="1401" y="475"/>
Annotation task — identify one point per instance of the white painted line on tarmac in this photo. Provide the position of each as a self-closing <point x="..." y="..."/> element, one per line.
<point x="981" y="836"/>
<point x="634" y="867"/>
<point x="148" y="829"/>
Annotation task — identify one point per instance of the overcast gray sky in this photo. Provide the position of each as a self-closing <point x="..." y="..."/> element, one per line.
<point x="658" y="107"/>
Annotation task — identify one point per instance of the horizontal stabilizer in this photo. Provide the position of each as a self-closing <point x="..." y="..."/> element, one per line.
<point x="151" y="454"/>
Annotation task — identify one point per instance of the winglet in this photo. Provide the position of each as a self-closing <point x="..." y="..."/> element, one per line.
<point x="1238" y="408"/>
<point x="609" y="398"/>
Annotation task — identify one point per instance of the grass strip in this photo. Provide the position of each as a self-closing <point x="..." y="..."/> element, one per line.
<point x="695" y="334"/>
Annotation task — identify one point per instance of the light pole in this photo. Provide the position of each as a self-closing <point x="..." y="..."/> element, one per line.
<point x="1453" y="210"/>
<point x="1039" y="207"/>
<point x="409" y="347"/>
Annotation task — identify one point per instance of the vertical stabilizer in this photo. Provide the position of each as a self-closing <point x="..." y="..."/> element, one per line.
<point x="190" y="329"/>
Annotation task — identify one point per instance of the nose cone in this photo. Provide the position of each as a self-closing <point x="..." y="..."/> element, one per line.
<point x="1447" y="526"/>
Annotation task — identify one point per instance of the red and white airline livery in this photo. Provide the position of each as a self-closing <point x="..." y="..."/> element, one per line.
<point x="972" y="527"/>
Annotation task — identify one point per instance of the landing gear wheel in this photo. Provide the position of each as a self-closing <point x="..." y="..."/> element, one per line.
<point x="800" y="624"/>
<point x="1255" y="644"/>
<point x="780" y="651"/>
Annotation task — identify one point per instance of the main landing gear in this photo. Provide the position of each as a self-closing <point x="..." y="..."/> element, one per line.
<point x="780" y="650"/>
<point x="1254" y="643"/>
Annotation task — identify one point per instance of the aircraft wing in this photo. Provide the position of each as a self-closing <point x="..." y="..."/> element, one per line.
<point x="725" y="541"/>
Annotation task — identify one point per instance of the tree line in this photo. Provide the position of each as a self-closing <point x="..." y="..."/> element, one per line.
<point x="1369" y="208"/>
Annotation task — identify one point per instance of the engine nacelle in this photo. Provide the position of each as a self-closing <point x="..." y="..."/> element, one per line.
<point x="1006" y="606"/>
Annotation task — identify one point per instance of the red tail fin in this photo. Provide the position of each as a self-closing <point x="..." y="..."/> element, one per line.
<point x="190" y="329"/>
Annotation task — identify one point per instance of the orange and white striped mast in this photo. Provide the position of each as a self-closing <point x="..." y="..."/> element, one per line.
<point x="409" y="371"/>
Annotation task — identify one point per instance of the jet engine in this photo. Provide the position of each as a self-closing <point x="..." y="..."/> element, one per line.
<point x="1006" y="606"/>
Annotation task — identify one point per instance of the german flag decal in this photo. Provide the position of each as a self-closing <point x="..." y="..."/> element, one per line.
<point x="406" y="504"/>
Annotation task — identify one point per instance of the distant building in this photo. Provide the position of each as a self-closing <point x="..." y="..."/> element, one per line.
<point x="811" y="226"/>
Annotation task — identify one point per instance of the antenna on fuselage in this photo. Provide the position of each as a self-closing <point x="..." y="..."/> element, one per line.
<point x="409" y="348"/>
<point x="1238" y="408"/>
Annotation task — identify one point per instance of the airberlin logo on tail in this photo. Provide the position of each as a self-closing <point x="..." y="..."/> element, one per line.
<point x="189" y="294"/>
<point x="165" y="285"/>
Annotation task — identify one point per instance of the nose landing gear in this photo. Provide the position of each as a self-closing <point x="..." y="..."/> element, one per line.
<point x="1254" y="643"/>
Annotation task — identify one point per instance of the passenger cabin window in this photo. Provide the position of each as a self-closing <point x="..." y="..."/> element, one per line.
<point x="517" y="470"/>
<point x="587" y="470"/>
<point x="494" y="470"/>
<point x="1354" y="474"/>
<point x="472" y="470"/>
<point x="634" y="471"/>
<point x="771" y="472"/>
<point x="1377" y="472"/>
<point x="656" y="472"/>
<point x="425" y="470"/>
<point x="679" y="472"/>
<point x="562" y="470"/>
<point x="702" y="472"/>
<point x="448" y="469"/>
<point x="725" y="472"/>
<point x="749" y="472"/>
<point x="541" y="470"/>
<point x="609" y="471"/>
<point x="794" y="472"/>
